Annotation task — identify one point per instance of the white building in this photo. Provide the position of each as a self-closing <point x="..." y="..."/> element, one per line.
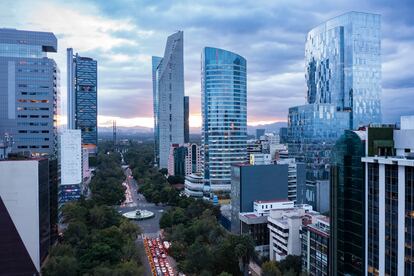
<point x="71" y="162"/>
<point x="194" y="185"/>
<point x="168" y="98"/>
<point x="284" y="230"/>
<point x="296" y="177"/>
<point x="263" y="207"/>
<point x="260" y="159"/>
<point x="389" y="206"/>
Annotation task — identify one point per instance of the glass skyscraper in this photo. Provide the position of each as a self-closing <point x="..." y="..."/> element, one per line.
<point x="83" y="98"/>
<point x="343" y="76"/>
<point x="29" y="87"/>
<point x="224" y="112"/>
<point x="168" y="96"/>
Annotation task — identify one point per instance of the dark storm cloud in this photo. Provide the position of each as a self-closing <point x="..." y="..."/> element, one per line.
<point x="269" y="34"/>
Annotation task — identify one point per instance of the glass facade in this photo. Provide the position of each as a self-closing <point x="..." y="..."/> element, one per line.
<point x="313" y="131"/>
<point x="347" y="204"/>
<point x="391" y="219"/>
<point x="373" y="219"/>
<point x="343" y="76"/>
<point x="186" y="119"/>
<point x="86" y="99"/>
<point x="168" y="97"/>
<point x="224" y="112"/>
<point x="343" y="65"/>
<point x="409" y="221"/>
<point x="29" y="90"/>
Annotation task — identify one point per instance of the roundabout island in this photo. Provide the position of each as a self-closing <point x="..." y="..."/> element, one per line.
<point x="139" y="214"/>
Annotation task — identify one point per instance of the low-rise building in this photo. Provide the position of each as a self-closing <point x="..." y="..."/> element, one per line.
<point x="315" y="232"/>
<point x="254" y="223"/>
<point x="260" y="159"/>
<point x="194" y="185"/>
<point x="284" y="231"/>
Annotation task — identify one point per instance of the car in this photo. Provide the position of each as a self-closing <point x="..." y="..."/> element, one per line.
<point x="163" y="256"/>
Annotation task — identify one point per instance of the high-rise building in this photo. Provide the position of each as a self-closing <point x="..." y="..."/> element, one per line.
<point x="389" y="204"/>
<point x="343" y="75"/>
<point x="260" y="132"/>
<point x="283" y="135"/>
<point x="29" y="86"/>
<point x="296" y="179"/>
<point x="315" y="245"/>
<point x="255" y="182"/>
<point x="224" y="112"/>
<point x="83" y="98"/>
<point x="347" y="196"/>
<point x="25" y="232"/>
<point x="168" y="93"/>
<point x="186" y="119"/>
<point x="70" y="165"/>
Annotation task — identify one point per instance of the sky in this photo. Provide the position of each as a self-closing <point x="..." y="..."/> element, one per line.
<point x="123" y="35"/>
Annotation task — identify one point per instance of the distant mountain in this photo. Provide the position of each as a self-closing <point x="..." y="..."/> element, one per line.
<point x="274" y="127"/>
<point x="131" y="130"/>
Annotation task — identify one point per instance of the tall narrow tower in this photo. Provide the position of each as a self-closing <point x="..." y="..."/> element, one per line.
<point x="168" y="92"/>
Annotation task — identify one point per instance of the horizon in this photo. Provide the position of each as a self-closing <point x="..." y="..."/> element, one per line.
<point x="123" y="38"/>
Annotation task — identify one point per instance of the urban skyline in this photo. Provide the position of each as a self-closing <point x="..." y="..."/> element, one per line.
<point x="128" y="44"/>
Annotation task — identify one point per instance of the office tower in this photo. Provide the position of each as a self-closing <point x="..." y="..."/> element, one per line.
<point x="283" y="135"/>
<point x="24" y="215"/>
<point x="184" y="160"/>
<point x="389" y="205"/>
<point x="347" y="196"/>
<point x="29" y="90"/>
<point x="83" y="98"/>
<point x="315" y="246"/>
<point x="284" y="230"/>
<point x="343" y="76"/>
<point x="71" y="165"/>
<point x="250" y="183"/>
<point x="254" y="223"/>
<point x="259" y="133"/>
<point x="296" y="179"/>
<point x="224" y="112"/>
<point x="168" y="93"/>
<point x="186" y="119"/>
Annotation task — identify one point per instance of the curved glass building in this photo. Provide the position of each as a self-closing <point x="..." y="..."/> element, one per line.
<point x="224" y="112"/>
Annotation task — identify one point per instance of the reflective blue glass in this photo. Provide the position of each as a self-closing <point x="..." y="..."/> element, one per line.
<point x="224" y="112"/>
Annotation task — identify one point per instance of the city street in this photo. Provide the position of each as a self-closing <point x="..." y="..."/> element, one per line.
<point x="150" y="227"/>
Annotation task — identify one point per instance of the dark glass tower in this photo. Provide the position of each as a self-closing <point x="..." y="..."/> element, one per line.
<point x="347" y="205"/>
<point x="186" y="119"/>
<point x="82" y="98"/>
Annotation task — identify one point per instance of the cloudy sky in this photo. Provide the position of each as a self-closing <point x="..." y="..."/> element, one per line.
<point x="123" y="35"/>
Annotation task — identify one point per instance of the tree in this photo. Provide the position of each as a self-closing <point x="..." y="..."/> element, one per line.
<point x="291" y="262"/>
<point x="61" y="265"/>
<point x="225" y="274"/>
<point x="270" y="268"/>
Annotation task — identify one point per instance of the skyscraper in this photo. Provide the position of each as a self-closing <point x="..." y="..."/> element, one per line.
<point x="343" y="76"/>
<point x="82" y="98"/>
<point x="168" y="93"/>
<point x="29" y="86"/>
<point x="224" y="113"/>
<point x="389" y="205"/>
<point x="186" y="119"/>
<point x="25" y="232"/>
<point x="347" y="197"/>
